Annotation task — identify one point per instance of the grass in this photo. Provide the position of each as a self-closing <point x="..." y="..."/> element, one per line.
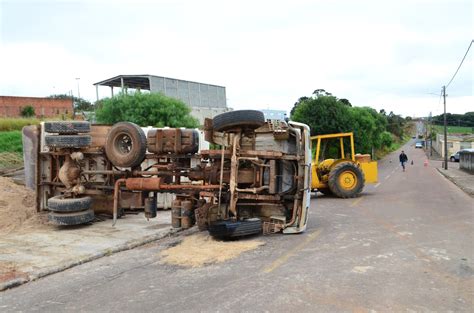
<point x="9" y="160"/>
<point x="9" y="124"/>
<point x="10" y="141"/>
<point x="454" y="129"/>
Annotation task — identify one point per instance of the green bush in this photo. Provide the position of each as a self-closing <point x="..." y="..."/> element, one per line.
<point x="145" y="109"/>
<point x="11" y="141"/>
<point x="386" y="139"/>
<point x="27" y="111"/>
<point x="8" y="124"/>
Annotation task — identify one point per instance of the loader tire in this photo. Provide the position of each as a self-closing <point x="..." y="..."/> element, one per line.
<point x="70" y="127"/>
<point x="72" y="218"/>
<point x="228" y="229"/>
<point x="346" y="180"/>
<point x="125" y="145"/>
<point x="61" y="204"/>
<point x="68" y="141"/>
<point x="250" y="119"/>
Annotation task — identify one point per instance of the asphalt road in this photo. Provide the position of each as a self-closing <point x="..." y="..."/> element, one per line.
<point x="405" y="245"/>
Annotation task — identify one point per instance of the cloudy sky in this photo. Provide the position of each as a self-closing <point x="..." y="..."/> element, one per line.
<point x="394" y="55"/>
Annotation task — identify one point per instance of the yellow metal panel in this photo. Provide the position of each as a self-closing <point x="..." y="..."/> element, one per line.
<point x="370" y="171"/>
<point x="315" y="183"/>
<point x="331" y="136"/>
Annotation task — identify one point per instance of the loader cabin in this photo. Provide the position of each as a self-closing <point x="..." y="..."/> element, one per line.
<point x="345" y="176"/>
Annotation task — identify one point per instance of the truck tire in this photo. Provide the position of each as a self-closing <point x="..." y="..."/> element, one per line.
<point x="243" y="119"/>
<point x="69" y="127"/>
<point x="229" y="229"/>
<point x="346" y="180"/>
<point x="68" y="141"/>
<point x="125" y="145"/>
<point x="61" y="204"/>
<point x="71" y="218"/>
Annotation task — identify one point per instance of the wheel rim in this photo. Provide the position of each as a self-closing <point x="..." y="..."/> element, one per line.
<point x="347" y="180"/>
<point x="123" y="143"/>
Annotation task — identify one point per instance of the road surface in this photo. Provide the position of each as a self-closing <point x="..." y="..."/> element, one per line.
<point x="405" y="245"/>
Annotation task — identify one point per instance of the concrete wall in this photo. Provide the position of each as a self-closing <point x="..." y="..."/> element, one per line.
<point x="46" y="107"/>
<point x="466" y="161"/>
<point x="192" y="93"/>
<point x="201" y="113"/>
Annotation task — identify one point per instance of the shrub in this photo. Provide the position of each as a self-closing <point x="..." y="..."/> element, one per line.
<point x="145" y="109"/>
<point x="27" y="111"/>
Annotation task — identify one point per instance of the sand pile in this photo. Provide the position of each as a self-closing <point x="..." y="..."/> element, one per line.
<point x="201" y="249"/>
<point x="17" y="208"/>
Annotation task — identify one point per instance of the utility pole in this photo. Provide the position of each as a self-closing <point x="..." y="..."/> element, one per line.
<point x="445" y="131"/>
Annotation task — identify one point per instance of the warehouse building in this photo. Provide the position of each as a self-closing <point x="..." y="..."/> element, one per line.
<point x="205" y="100"/>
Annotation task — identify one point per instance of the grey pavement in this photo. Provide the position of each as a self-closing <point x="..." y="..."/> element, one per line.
<point x="460" y="178"/>
<point x="32" y="254"/>
<point x="404" y="246"/>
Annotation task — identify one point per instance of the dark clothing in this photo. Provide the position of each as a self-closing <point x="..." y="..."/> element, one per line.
<point x="403" y="157"/>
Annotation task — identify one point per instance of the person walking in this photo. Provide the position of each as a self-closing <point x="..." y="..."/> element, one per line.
<point x="403" y="159"/>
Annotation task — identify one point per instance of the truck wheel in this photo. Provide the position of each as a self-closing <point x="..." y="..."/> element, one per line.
<point x="65" y="141"/>
<point x="125" y="145"/>
<point x="70" y="127"/>
<point x="346" y="180"/>
<point x="72" y="218"/>
<point x="228" y="229"/>
<point x="243" y="119"/>
<point x="61" y="204"/>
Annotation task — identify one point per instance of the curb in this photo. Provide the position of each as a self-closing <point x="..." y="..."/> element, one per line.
<point x="460" y="186"/>
<point x="64" y="266"/>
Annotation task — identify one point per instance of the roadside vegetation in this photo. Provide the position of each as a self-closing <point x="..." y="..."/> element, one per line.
<point x="327" y="114"/>
<point x="9" y="124"/>
<point x="463" y="130"/>
<point x="11" y="149"/>
<point x="145" y="109"/>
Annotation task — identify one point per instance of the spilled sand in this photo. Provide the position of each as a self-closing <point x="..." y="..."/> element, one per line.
<point x="201" y="249"/>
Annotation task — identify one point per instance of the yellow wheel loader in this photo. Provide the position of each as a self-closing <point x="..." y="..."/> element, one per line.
<point x="344" y="177"/>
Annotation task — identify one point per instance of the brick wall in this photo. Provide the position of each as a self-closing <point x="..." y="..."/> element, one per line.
<point x="44" y="107"/>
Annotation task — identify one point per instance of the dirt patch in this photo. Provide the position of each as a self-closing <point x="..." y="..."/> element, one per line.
<point x="17" y="208"/>
<point x="200" y="249"/>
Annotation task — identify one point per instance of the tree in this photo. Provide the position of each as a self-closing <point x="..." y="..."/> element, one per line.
<point x="395" y="124"/>
<point x="323" y="114"/>
<point x="80" y="104"/>
<point x="145" y="109"/>
<point x="326" y="114"/>
<point x="28" y="111"/>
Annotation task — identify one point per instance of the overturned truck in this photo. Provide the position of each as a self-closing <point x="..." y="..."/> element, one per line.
<point x="256" y="179"/>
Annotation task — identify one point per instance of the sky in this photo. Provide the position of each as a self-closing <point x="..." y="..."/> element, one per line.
<point x="391" y="55"/>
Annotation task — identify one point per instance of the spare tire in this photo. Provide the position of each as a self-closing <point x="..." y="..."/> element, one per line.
<point x="230" y="229"/>
<point x="249" y="119"/>
<point x="71" y="218"/>
<point x="68" y="141"/>
<point x="67" y="127"/>
<point x="346" y="180"/>
<point x="61" y="204"/>
<point x="125" y="145"/>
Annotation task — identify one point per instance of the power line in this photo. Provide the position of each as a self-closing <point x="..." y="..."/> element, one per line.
<point x="460" y="64"/>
